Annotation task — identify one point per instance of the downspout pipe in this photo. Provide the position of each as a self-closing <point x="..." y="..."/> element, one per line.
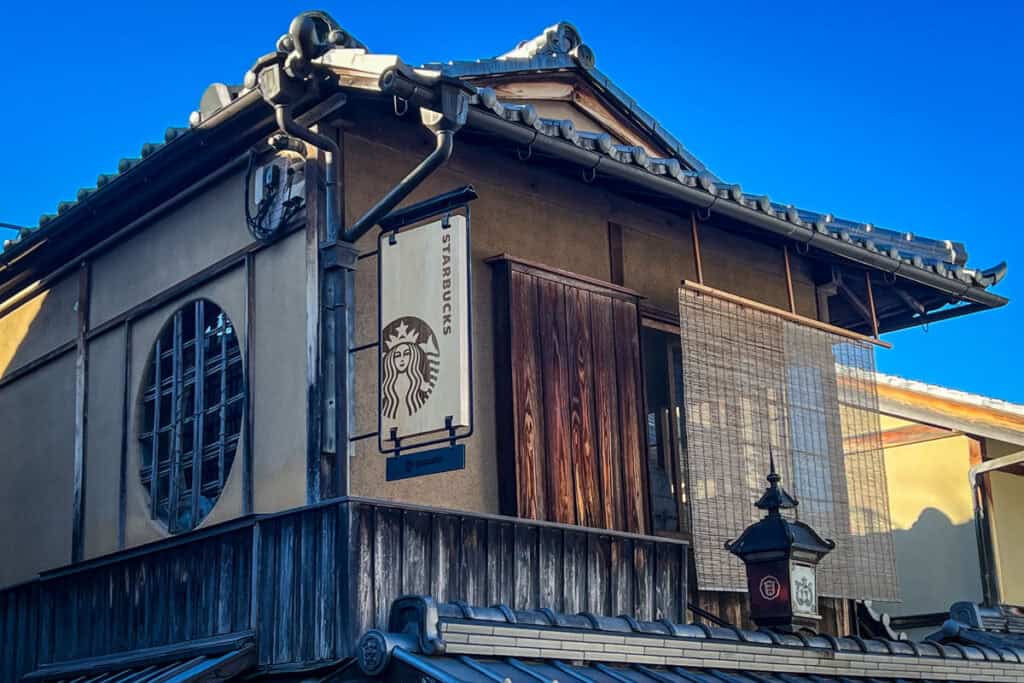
<point x="283" y="116"/>
<point x="983" y="523"/>
<point x="444" y="144"/>
<point x="446" y="115"/>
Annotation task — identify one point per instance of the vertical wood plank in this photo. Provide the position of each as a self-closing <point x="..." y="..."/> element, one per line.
<point x="527" y="399"/>
<point x="444" y="558"/>
<point x="554" y="352"/>
<point x="550" y="569"/>
<point x="606" y="413"/>
<point x="666" y="583"/>
<point x="574" y="562"/>
<point x="226" y="578"/>
<point x="473" y="560"/>
<point x="598" y="574"/>
<point x="387" y="555"/>
<point x="627" y="356"/>
<point x="361" y="549"/>
<point x="581" y="408"/>
<point x="644" y="569"/>
<point x="525" y="595"/>
<point x="267" y="587"/>
<point x="284" y="608"/>
<point x="329" y="588"/>
<point x="623" y="578"/>
<point x="415" y="552"/>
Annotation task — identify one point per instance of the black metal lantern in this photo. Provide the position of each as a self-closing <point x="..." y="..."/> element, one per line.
<point x="781" y="558"/>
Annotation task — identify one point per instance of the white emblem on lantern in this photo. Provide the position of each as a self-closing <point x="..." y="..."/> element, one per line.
<point x="770" y="587"/>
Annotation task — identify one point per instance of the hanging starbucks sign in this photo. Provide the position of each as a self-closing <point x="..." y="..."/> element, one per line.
<point x="425" y="392"/>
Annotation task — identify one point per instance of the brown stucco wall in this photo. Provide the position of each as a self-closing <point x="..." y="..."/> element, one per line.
<point x="36" y="470"/>
<point x="534" y="214"/>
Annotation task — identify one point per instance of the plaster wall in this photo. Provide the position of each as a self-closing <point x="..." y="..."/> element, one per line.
<point x="278" y="376"/>
<point x="210" y="227"/>
<point x="103" y="444"/>
<point x="37" y="423"/>
<point x="1007" y="510"/>
<point x="535" y="214"/>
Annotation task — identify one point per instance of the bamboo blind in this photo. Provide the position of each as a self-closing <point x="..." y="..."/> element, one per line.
<point x="753" y="382"/>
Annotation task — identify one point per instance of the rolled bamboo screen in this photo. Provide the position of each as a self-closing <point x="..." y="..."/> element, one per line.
<point x="753" y="382"/>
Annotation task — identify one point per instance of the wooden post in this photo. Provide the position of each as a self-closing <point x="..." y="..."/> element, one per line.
<point x="871" y="304"/>
<point x="789" y="280"/>
<point x="696" y="248"/>
<point x="81" y="412"/>
<point x="615" y="267"/>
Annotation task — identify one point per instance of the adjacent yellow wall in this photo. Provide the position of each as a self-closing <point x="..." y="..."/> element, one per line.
<point x="1006" y="492"/>
<point x="933" y="523"/>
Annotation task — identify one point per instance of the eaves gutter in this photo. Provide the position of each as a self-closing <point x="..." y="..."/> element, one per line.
<point x="702" y="199"/>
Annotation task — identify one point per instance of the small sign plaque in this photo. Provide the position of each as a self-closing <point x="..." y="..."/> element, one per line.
<point x="431" y="461"/>
<point x="805" y="593"/>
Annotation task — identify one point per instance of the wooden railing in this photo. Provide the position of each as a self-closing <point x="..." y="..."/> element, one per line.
<point x="306" y="584"/>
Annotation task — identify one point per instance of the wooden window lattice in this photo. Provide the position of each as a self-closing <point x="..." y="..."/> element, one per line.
<point x="191" y="414"/>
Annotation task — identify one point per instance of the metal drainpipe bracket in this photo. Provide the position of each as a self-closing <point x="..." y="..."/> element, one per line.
<point x="339" y="255"/>
<point x="453" y="112"/>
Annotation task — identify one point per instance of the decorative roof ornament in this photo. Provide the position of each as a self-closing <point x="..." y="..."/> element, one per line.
<point x="775" y="497"/>
<point x="561" y="39"/>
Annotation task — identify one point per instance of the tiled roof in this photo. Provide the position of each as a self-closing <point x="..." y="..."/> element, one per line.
<point x="955" y="395"/>
<point x="460" y="642"/>
<point x="1001" y="626"/>
<point x="103" y="180"/>
<point x="560" y="48"/>
<point x="205" y="668"/>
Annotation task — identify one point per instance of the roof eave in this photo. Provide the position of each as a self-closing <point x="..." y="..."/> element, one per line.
<point x="699" y="197"/>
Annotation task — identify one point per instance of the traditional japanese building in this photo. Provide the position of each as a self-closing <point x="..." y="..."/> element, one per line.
<point x="460" y="371"/>
<point x="954" y="470"/>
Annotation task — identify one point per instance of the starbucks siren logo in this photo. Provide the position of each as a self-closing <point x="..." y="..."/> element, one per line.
<point x="411" y="359"/>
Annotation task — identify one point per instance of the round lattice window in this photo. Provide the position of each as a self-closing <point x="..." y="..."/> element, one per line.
<point x="191" y="409"/>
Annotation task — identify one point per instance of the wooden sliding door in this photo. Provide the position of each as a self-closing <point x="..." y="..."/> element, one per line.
<point x="569" y="398"/>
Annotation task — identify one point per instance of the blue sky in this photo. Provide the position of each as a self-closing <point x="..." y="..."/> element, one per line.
<point x="906" y="115"/>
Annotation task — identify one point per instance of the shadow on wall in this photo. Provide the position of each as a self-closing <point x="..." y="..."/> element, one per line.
<point x="937" y="565"/>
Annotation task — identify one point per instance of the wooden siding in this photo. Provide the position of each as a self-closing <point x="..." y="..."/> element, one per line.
<point x="571" y="432"/>
<point x="19" y="623"/>
<point x="307" y="583"/>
